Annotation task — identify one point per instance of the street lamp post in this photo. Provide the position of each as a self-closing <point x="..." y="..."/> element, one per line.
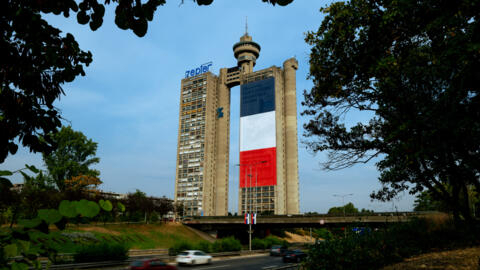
<point x="343" y="203"/>
<point x="256" y="190"/>
<point x="248" y="206"/>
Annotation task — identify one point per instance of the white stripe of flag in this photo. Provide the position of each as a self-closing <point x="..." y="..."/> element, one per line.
<point x="257" y="131"/>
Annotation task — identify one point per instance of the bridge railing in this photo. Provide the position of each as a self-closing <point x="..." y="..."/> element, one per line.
<point x="385" y="214"/>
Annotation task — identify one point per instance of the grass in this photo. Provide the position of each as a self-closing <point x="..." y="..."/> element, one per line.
<point x="137" y="236"/>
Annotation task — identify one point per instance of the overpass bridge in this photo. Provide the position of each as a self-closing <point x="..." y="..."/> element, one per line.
<point x="218" y="224"/>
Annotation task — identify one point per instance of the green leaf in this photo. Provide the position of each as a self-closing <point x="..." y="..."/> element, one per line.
<point x="5" y="173"/>
<point x="30" y="223"/>
<point x="25" y="176"/>
<point x="24" y="245"/>
<point x="87" y="208"/>
<point x="35" y="235"/>
<point x="82" y="17"/>
<point x="37" y="264"/>
<point x="106" y="205"/>
<point x="5" y="183"/>
<point x="204" y="2"/>
<point x="10" y="250"/>
<point x="284" y="2"/>
<point x="140" y="27"/>
<point x="121" y="207"/>
<point x="19" y="266"/>
<point x="68" y="209"/>
<point x="32" y="168"/>
<point x="49" y="215"/>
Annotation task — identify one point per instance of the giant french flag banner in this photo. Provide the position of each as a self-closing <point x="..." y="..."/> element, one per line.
<point x="257" y="134"/>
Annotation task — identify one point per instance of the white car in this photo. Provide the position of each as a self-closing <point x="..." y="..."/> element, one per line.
<point x="193" y="257"/>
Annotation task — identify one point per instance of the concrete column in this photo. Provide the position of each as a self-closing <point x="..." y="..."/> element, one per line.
<point x="222" y="125"/>
<point x="210" y="149"/>
<point x="291" y="141"/>
<point x="280" y="188"/>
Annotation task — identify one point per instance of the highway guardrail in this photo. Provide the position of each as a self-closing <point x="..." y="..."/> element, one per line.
<point x="286" y="267"/>
<point x="165" y="256"/>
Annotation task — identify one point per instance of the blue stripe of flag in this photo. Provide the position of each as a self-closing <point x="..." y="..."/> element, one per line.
<point x="257" y="97"/>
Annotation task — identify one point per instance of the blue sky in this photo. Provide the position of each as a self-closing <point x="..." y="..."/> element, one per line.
<point x="128" y="101"/>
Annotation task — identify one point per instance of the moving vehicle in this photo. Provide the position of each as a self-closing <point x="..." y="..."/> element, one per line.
<point x="277" y="250"/>
<point x="153" y="264"/>
<point x="294" y="256"/>
<point x="193" y="257"/>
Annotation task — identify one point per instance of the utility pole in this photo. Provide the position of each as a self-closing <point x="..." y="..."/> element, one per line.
<point x="343" y="203"/>
<point x="233" y="185"/>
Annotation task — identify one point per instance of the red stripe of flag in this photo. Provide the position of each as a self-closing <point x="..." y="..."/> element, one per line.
<point x="263" y="174"/>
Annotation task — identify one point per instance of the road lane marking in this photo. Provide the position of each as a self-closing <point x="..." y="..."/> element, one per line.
<point x="213" y="267"/>
<point x="270" y="266"/>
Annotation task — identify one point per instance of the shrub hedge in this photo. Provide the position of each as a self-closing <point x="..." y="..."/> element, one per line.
<point x="220" y="245"/>
<point x="379" y="248"/>
<point x="103" y="251"/>
<point x="267" y="242"/>
<point x="226" y="244"/>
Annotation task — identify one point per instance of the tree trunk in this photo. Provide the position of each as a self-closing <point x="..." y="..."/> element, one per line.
<point x="456" y="204"/>
<point x="466" y="211"/>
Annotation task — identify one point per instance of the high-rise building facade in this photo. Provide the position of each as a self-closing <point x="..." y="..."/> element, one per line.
<point x="268" y="180"/>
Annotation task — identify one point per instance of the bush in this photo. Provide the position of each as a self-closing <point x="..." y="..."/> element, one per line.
<point x="178" y="247"/>
<point x="204" y="246"/>
<point x="323" y="233"/>
<point x="272" y="240"/>
<point x="103" y="251"/>
<point x="154" y="217"/>
<point x="376" y="249"/>
<point x="220" y="245"/>
<point x="226" y="244"/>
<point x="268" y="242"/>
<point x="258" y="244"/>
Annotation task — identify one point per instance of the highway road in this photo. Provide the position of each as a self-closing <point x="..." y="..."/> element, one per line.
<point x="250" y="263"/>
<point x="255" y="262"/>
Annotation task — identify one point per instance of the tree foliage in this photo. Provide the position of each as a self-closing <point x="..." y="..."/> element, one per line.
<point x="22" y="246"/>
<point x="142" y="207"/>
<point x="413" y="66"/>
<point x="37" y="60"/>
<point x="83" y="182"/>
<point x="374" y="249"/>
<point x="349" y="208"/>
<point x="71" y="160"/>
<point x="425" y="202"/>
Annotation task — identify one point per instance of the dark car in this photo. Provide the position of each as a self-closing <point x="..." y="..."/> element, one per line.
<point x="151" y="265"/>
<point x="277" y="250"/>
<point x="294" y="256"/>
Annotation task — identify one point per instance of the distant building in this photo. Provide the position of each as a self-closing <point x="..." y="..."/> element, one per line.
<point x="109" y="195"/>
<point x="268" y="137"/>
<point x="17" y="187"/>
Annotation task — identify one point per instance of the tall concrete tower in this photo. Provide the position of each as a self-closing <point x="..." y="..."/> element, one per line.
<point x="268" y="137"/>
<point x="246" y="51"/>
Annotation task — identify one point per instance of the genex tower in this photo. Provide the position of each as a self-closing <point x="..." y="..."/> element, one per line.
<point x="268" y="137"/>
